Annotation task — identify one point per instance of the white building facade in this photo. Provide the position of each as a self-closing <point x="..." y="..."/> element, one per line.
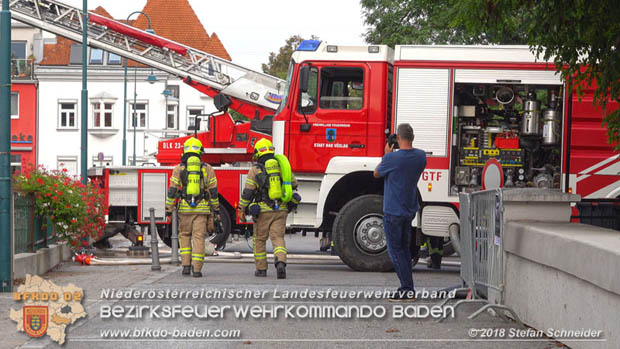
<point x="165" y="109"/>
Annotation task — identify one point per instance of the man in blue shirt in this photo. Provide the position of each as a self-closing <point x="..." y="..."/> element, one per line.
<point x="401" y="171"/>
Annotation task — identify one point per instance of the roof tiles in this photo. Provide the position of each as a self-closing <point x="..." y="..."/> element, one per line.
<point x="171" y="19"/>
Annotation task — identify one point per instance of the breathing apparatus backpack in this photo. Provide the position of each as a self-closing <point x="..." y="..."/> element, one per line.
<point x="192" y="179"/>
<point x="276" y="185"/>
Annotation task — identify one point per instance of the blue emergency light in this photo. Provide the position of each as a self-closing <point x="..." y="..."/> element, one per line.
<point x="309" y="45"/>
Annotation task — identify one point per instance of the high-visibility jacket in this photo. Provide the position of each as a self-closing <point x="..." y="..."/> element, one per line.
<point x="255" y="191"/>
<point x="209" y="186"/>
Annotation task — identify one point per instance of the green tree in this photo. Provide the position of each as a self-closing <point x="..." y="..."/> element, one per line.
<point x="397" y="22"/>
<point x="279" y="62"/>
<point x="582" y="37"/>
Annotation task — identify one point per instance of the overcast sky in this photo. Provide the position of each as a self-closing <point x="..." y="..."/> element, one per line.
<point x="251" y="29"/>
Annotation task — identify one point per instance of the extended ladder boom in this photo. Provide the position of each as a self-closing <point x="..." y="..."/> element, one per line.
<point x="188" y="63"/>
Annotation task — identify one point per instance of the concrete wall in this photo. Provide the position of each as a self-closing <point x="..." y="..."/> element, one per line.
<point x="40" y="262"/>
<point x="560" y="275"/>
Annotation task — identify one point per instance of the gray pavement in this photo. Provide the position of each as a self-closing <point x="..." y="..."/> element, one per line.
<point x="263" y="332"/>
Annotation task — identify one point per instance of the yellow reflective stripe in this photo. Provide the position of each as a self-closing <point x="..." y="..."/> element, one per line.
<point x="279" y="249"/>
<point x="198" y="255"/>
<point x="198" y="259"/>
<point x="170" y="200"/>
<point x="175" y="180"/>
<point x="260" y="254"/>
<point x="251" y="182"/>
<point x="194" y="211"/>
<point x="435" y="251"/>
<point x="213" y="180"/>
<point x="243" y="201"/>
<point x="257" y="257"/>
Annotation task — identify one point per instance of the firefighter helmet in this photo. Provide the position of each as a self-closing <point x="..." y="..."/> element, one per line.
<point x="263" y="147"/>
<point x="192" y="145"/>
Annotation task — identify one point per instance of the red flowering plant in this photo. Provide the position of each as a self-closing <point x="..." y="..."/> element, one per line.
<point x="76" y="210"/>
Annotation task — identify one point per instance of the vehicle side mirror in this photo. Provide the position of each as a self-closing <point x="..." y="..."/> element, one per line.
<point x="304" y="75"/>
<point x="221" y="102"/>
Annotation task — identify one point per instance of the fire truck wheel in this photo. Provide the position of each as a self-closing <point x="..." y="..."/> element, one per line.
<point x="359" y="236"/>
<point x="226" y="221"/>
<point x="165" y="234"/>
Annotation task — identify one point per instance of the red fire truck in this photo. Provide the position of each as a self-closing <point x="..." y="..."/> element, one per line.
<point x="469" y="106"/>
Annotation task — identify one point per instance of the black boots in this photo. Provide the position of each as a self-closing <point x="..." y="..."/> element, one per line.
<point x="435" y="261"/>
<point x="187" y="269"/>
<point x="281" y="269"/>
<point x="260" y="273"/>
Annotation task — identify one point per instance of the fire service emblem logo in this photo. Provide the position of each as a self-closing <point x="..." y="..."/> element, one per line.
<point x="35" y="320"/>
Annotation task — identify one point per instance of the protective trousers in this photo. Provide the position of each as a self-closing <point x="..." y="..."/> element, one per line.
<point x="435" y="249"/>
<point x="272" y="225"/>
<point x="192" y="233"/>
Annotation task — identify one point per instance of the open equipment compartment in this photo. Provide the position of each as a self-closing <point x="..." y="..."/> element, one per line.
<point x="519" y="125"/>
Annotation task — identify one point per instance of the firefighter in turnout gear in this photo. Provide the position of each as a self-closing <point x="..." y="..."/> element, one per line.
<point x="194" y="184"/>
<point x="435" y="251"/>
<point x="268" y="196"/>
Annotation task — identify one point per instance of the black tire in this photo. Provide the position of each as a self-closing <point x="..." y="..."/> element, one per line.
<point x="359" y="210"/>
<point x="165" y="233"/>
<point x="226" y="223"/>
<point x="226" y="220"/>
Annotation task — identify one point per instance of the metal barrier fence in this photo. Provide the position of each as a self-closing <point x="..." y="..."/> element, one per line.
<point x="482" y="251"/>
<point x="30" y="231"/>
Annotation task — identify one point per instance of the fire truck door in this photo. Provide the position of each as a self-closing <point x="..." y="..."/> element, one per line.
<point x="331" y="118"/>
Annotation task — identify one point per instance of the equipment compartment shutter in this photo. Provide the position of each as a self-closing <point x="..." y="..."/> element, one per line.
<point x="153" y="194"/>
<point x="422" y="101"/>
<point x="488" y="76"/>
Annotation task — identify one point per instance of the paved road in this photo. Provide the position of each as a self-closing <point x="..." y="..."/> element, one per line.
<point x="264" y="332"/>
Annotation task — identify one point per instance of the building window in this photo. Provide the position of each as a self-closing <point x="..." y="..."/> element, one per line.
<point x="174" y="91"/>
<point x="192" y="113"/>
<point x="76" y="54"/>
<point x="16" y="163"/>
<point x="14" y="105"/>
<point x="114" y="59"/>
<point x="69" y="163"/>
<point x="141" y="115"/>
<point x="102" y="114"/>
<point x="96" y="56"/>
<point x="67" y="111"/>
<point x="171" y="116"/>
<point x="18" y="50"/>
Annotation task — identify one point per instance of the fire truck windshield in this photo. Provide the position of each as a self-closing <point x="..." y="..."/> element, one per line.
<point x="286" y="87"/>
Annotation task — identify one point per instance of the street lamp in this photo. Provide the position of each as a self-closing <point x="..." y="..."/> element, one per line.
<point x="150" y="31"/>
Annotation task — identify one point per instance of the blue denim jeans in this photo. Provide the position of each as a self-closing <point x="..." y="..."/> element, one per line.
<point x="398" y="236"/>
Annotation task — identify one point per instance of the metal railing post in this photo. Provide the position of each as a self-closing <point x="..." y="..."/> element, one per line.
<point x="154" y="242"/>
<point x="174" y="257"/>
